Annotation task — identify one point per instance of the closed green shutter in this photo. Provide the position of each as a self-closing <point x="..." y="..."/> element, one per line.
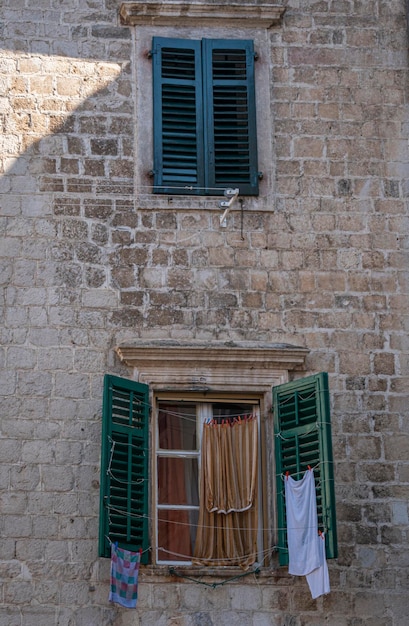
<point x="177" y="116"/>
<point x="124" y="466"/>
<point x="204" y="116"/>
<point x="231" y="138"/>
<point x="303" y="438"/>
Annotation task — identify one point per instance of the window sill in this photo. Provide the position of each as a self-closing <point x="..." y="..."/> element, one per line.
<point x="187" y="202"/>
<point x="211" y="576"/>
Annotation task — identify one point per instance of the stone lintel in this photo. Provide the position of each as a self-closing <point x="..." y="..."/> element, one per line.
<point x="236" y="366"/>
<point x="234" y="14"/>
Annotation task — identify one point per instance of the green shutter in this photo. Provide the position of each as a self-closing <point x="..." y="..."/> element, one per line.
<point x="303" y="438"/>
<point x="124" y="466"/>
<point x="204" y="116"/>
<point x="177" y="116"/>
<point x="230" y="115"/>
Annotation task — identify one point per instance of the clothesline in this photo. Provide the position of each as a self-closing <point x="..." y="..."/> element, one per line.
<point x="148" y="549"/>
<point x="232" y="420"/>
<point x="255" y="555"/>
<point x="141" y="480"/>
<point x="188" y="557"/>
<point x="187" y="524"/>
<point x="192" y="416"/>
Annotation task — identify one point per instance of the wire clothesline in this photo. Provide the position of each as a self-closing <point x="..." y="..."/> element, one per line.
<point x="188" y="557"/>
<point x="141" y="516"/>
<point x="259" y="555"/>
<point x="140" y="481"/>
<point x="139" y="402"/>
<point x="192" y="417"/>
<point x="279" y="434"/>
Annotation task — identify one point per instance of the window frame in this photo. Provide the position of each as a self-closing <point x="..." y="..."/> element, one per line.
<point x="201" y="400"/>
<point x="142" y="68"/>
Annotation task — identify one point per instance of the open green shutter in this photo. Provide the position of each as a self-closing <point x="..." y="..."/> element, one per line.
<point x="303" y="438"/>
<point x="124" y="466"/>
<point x="230" y="115"/>
<point x="177" y="116"/>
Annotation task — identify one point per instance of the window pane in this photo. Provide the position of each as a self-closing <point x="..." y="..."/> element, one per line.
<point x="178" y="481"/>
<point x="176" y="535"/>
<point x="230" y="410"/>
<point x="177" y="426"/>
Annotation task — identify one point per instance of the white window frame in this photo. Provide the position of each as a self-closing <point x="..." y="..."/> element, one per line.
<point x="202" y="414"/>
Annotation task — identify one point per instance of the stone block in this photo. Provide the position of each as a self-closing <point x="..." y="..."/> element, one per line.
<point x="10" y="616"/>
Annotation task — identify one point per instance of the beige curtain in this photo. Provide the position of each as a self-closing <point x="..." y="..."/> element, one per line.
<point x="227" y="531"/>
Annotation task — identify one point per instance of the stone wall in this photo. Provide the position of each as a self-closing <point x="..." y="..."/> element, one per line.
<point x="84" y="269"/>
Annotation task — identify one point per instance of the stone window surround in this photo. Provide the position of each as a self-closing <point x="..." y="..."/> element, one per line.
<point x="231" y="368"/>
<point x="214" y="366"/>
<point x="195" y="20"/>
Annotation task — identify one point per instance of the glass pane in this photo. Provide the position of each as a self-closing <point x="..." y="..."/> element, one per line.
<point x="176" y="535"/>
<point x="230" y="410"/>
<point x="177" y="426"/>
<point x="178" y="481"/>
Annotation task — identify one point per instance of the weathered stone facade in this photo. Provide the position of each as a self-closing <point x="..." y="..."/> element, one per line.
<point x="85" y="269"/>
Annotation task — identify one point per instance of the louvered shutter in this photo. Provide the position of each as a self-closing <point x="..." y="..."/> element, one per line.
<point x="303" y="438"/>
<point x="230" y="115"/>
<point x="177" y="116"/>
<point x="124" y="466"/>
<point x="204" y="116"/>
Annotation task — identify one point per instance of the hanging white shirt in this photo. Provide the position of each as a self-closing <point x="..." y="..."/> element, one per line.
<point x="318" y="579"/>
<point x="306" y="549"/>
<point x="302" y="524"/>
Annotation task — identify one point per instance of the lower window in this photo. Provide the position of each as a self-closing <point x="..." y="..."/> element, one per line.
<point x="187" y="480"/>
<point x="207" y="479"/>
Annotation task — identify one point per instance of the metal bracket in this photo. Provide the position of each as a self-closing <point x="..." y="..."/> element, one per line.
<point x="232" y="195"/>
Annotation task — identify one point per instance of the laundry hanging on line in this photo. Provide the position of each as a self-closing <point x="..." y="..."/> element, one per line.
<point x="124" y="576"/>
<point x="306" y="548"/>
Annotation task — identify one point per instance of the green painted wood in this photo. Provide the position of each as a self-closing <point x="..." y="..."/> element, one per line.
<point x="230" y="114"/>
<point x="204" y="116"/>
<point x="124" y="466"/>
<point x="177" y="116"/>
<point x="303" y="438"/>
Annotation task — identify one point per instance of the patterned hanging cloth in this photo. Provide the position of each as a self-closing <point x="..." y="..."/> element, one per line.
<point x="124" y="576"/>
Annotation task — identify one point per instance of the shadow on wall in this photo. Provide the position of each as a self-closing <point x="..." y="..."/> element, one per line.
<point x="67" y="164"/>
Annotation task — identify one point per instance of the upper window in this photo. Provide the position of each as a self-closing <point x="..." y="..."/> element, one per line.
<point x="207" y="117"/>
<point x="205" y="137"/>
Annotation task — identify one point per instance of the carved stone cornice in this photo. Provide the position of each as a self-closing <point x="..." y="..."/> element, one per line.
<point x="235" y="14"/>
<point x="218" y="366"/>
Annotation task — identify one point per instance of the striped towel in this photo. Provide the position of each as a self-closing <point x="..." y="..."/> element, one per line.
<point x="124" y="576"/>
